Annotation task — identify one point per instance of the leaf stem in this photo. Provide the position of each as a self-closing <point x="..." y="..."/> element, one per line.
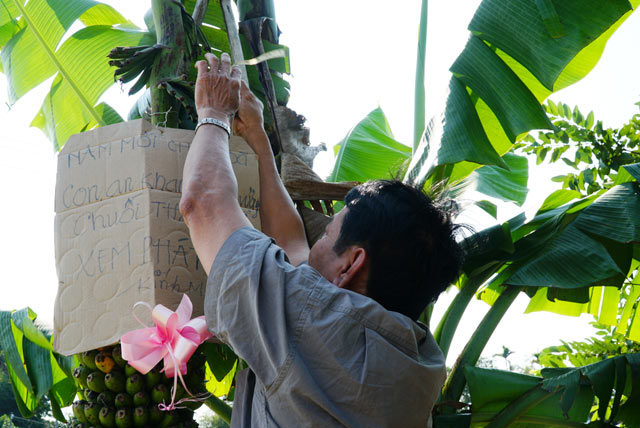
<point x="221" y="408"/>
<point x="419" y="91"/>
<point x="519" y="406"/>
<point x="449" y="323"/>
<point x="456" y="381"/>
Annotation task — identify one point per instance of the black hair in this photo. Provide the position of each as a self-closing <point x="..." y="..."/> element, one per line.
<point x="410" y="242"/>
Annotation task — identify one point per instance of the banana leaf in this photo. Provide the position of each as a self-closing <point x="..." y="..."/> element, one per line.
<point x="31" y="52"/>
<point x="598" y="234"/>
<point x="34" y="369"/>
<point x="560" y="398"/>
<point x="507" y="185"/>
<point x="369" y="151"/>
<point x="517" y="55"/>
<point x="495" y="392"/>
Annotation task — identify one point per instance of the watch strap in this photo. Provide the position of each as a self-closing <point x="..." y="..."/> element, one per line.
<point x="213" y="121"/>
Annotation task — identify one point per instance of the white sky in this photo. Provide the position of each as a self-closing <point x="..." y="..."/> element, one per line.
<point x="347" y="57"/>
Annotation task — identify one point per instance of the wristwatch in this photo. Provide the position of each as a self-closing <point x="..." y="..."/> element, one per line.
<point x="213" y="121"/>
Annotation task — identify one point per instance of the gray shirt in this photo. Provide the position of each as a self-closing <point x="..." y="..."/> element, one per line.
<point x="319" y="355"/>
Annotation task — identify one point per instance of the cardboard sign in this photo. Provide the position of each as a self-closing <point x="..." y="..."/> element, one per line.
<point x="120" y="238"/>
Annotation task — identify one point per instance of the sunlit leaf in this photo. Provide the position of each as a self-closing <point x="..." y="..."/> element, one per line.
<point x="12" y="354"/>
<point x="371" y="139"/>
<point x="508" y="185"/>
<point x="488" y="207"/>
<point x="518" y="37"/>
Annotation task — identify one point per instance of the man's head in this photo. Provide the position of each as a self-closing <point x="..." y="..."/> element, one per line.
<point x="391" y="243"/>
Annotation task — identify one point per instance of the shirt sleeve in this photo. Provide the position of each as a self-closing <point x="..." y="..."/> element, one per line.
<point x="255" y="301"/>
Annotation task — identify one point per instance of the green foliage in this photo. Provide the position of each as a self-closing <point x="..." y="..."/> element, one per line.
<point x="513" y="60"/>
<point x="595" y="153"/>
<point x="605" y="345"/>
<point x="596" y="233"/>
<point x="507" y="185"/>
<point x="31" y="53"/>
<point x="369" y="151"/>
<point x="560" y="398"/>
<point x="34" y="369"/>
<point x="9" y="407"/>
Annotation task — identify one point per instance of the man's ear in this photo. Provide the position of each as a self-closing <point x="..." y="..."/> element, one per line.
<point x="355" y="271"/>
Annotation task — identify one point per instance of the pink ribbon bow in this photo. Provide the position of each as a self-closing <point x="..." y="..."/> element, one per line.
<point x="174" y="338"/>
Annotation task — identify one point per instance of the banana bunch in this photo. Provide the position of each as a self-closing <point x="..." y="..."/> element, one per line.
<point x="183" y="90"/>
<point x="133" y="61"/>
<point x="114" y="394"/>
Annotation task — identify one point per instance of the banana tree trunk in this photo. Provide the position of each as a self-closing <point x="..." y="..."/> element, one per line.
<point x="250" y="9"/>
<point x="167" y="17"/>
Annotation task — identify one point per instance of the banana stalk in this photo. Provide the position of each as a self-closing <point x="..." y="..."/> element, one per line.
<point x="456" y="381"/>
<point x="448" y="325"/>
<point x="167" y="16"/>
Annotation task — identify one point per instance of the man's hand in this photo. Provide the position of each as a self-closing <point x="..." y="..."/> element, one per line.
<point x="217" y="92"/>
<point x="248" y="122"/>
<point x="209" y="202"/>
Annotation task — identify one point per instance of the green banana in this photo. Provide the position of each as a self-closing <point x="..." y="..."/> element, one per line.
<point x="142" y="81"/>
<point x="129" y="70"/>
<point x="125" y="52"/>
<point x="140" y="416"/>
<point x="115" y="381"/>
<point x="106" y="398"/>
<point x="90" y="396"/>
<point x="95" y="381"/>
<point x="141" y="398"/>
<point x="91" y="412"/>
<point x="150" y="51"/>
<point x="116" y="354"/>
<point x="123" y="400"/>
<point x="160" y="394"/>
<point x="89" y="359"/>
<point x="80" y="374"/>
<point x="123" y="418"/>
<point x="182" y="93"/>
<point x="152" y="378"/>
<point x="129" y="370"/>
<point x="107" y="417"/>
<point x="135" y="383"/>
<point x="78" y="410"/>
<point x="170" y="418"/>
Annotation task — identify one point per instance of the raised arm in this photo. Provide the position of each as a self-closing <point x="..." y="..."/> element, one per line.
<point x="278" y="216"/>
<point x="209" y="202"/>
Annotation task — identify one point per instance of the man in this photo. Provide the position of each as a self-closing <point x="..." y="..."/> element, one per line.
<point x="332" y="342"/>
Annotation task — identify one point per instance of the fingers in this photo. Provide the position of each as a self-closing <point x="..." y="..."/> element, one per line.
<point x="225" y="63"/>
<point x="202" y="67"/>
<point x="236" y="73"/>
<point x="212" y="60"/>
